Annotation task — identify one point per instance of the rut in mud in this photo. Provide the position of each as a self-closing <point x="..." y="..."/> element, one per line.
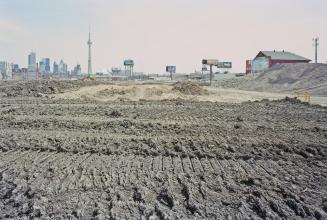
<point x="166" y="160"/>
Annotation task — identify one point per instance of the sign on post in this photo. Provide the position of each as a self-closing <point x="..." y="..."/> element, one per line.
<point x="171" y="70"/>
<point x="225" y="65"/>
<point x="211" y="62"/>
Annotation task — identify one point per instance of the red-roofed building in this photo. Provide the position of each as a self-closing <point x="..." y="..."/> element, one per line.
<point x="267" y="59"/>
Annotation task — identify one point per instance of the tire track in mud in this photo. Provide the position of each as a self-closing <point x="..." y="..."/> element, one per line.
<point x="13" y="159"/>
<point x="162" y="159"/>
<point x="88" y="178"/>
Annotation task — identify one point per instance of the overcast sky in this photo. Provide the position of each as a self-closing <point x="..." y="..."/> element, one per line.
<point x="159" y="32"/>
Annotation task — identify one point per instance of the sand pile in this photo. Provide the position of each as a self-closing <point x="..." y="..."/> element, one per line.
<point x="189" y="88"/>
<point x="112" y="92"/>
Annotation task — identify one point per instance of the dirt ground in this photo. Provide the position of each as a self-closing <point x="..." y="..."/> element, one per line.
<point x="94" y="153"/>
<point x="154" y="92"/>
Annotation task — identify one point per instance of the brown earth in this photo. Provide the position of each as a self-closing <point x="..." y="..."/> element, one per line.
<point x="189" y="88"/>
<point x="71" y="158"/>
<point x="41" y="87"/>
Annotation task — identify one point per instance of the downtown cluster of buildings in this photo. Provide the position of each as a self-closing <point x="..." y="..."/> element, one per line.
<point x="42" y="69"/>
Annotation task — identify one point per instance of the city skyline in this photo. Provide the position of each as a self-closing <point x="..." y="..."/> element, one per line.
<point x="179" y="33"/>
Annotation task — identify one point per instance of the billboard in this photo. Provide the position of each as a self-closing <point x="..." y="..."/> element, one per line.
<point x="128" y="62"/>
<point x="226" y="65"/>
<point x="212" y="62"/>
<point x="171" y="69"/>
<point x="204" y="68"/>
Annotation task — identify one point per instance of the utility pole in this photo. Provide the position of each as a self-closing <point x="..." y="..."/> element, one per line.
<point x="37" y="71"/>
<point x="316" y="44"/>
<point x="211" y="75"/>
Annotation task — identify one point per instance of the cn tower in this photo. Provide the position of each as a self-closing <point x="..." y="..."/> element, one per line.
<point x="89" y="69"/>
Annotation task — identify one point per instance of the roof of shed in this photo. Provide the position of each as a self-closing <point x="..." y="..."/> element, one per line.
<point x="282" y="55"/>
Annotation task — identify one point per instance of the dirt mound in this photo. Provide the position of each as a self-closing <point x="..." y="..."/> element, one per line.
<point x="296" y="77"/>
<point x="311" y="78"/>
<point x="112" y="92"/>
<point x="149" y="92"/>
<point x="235" y="83"/>
<point x="40" y="88"/>
<point x="189" y="88"/>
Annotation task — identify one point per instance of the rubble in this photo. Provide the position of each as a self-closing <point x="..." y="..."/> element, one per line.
<point x="189" y="88"/>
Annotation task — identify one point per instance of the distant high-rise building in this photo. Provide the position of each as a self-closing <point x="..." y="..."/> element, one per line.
<point x="44" y="67"/>
<point x="89" y="43"/>
<point x="15" y="68"/>
<point x="16" y="72"/>
<point x="55" y="68"/>
<point x="46" y="62"/>
<point x="32" y="66"/>
<point x="63" y="69"/>
<point x="61" y="66"/>
<point x="6" y="70"/>
<point x="77" y="70"/>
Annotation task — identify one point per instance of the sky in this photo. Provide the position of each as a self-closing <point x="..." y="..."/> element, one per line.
<point x="156" y="33"/>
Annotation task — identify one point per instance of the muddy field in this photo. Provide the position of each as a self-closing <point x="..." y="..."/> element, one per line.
<point x="162" y="159"/>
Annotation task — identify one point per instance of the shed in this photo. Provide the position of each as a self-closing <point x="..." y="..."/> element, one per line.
<point x="267" y="59"/>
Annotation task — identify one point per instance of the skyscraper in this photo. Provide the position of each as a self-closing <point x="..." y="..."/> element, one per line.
<point x="89" y="69"/>
<point x="42" y="67"/>
<point x="46" y="62"/>
<point x="32" y="62"/>
<point x="5" y="70"/>
<point x="77" y="70"/>
<point x="55" y="68"/>
<point x="15" y="68"/>
<point x="63" y="69"/>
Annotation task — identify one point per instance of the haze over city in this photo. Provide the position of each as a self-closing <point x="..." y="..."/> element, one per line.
<point x="158" y="33"/>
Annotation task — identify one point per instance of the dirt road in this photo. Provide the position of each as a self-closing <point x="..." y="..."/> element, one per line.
<point x="162" y="159"/>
